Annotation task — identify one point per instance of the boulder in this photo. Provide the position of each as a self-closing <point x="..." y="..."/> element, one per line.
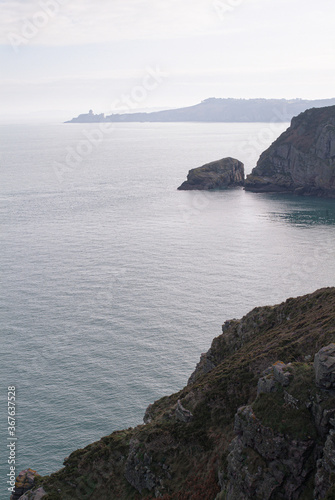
<point x="272" y="377"/>
<point x="220" y="174"/>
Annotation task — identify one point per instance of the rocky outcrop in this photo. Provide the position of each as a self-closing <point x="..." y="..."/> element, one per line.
<point x="256" y="421"/>
<point x="262" y="462"/>
<point x="25" y="482"/>
<point x="34" y="495"/>
<point x="324" y="482"/>
<point x="277" y="448"/>
<point x="220" y="174"/>
<point x="324" y="365"/>
<point x="302" y="159"/>
<point x="137" y="469"/>
<point x="182" y="414"/>
<point x="205" y="365"/>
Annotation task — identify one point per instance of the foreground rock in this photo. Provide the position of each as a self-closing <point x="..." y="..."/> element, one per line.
<point x="256" y="421"/>
<point x="302" y="159"/>
<point x="285" y="438"/>
<point x="220" y="174"/>
<point x="25" y="482"/>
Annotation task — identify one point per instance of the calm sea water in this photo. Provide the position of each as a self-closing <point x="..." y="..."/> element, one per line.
<point x="114" y="282"/>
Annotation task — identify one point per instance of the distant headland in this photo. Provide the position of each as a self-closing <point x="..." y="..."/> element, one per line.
<point x="217" y="110"/>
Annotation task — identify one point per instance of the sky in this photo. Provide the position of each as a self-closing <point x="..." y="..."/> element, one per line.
<point x="60" y="58"/>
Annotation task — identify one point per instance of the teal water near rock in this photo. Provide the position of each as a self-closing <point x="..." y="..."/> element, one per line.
<point x="114" y="282"/>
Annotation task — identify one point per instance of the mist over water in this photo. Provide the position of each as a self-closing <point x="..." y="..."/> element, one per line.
<point x="114" y="282"/>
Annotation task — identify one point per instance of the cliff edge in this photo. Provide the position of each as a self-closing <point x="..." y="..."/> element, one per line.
<point x="256" y="421"/>
<point x="302" y="159"/>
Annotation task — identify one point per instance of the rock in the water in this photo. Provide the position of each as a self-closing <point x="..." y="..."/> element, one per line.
<point x="302" y="159"/>
<point x="324" y="366"/>
<point x="220" y="174"/>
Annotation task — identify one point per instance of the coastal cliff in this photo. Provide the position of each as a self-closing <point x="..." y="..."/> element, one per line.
<point x="302" y="159"/>
<point x="220" y="174"/>
<point x="255" y="421"/>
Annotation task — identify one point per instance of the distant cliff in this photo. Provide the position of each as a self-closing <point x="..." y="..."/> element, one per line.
<point x="217" y="110"/>
<point x="256" y="421"/>
<point x="302" y="159"/>
<point x="220" y="174"/>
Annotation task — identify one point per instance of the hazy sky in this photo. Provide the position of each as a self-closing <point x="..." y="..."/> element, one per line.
<point x="68" y="56"/>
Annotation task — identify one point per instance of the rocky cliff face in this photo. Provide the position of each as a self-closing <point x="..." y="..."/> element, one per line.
<point x="220" y="174"/>
<point x="256" y="421"/>
<point x="302" y="159"/>
<point x="284" y="444"/>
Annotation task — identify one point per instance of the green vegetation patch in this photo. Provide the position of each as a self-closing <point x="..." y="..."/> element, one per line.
<point x="273" y="412"/>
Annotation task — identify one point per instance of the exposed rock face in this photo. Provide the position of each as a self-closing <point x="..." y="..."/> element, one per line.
<point x="204" y="366"/>
<point x="262" y="462"/>
<point x="302" y="159"/>
<point x="25" y="481"/>
<point x="270" y="457"/>
<point x="324" y="484"/>
<point x="324" y="365"/>
<point x="220" y="174"/>
<point x="276" y="374"/>
<point x="34" y="495"/>
<point x="182" y="414"/>
<point x="137" y="470"/>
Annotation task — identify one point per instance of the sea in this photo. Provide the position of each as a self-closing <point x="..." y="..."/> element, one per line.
<point x="114" y="282"/>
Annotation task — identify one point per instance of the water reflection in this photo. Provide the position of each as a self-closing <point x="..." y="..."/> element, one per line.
<point x="301" y="211"/>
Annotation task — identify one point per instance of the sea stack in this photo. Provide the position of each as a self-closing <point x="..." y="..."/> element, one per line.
<point x="220" y="174"/>
<point x="302" y="159"/>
